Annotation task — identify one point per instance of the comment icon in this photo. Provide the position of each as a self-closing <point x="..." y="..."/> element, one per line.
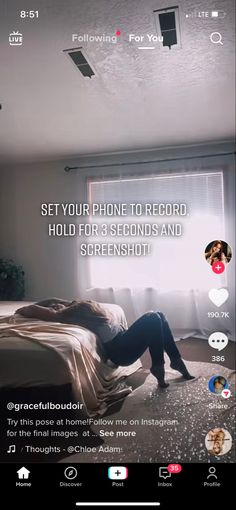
<point x="218" y="340"/>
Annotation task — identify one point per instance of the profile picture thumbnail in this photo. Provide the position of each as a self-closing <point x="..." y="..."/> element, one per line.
<point x="218" y="251"/>
<point x="217" y="384"/>
<point x="218" y="441"/>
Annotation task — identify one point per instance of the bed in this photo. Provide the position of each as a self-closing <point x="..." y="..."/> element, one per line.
<point x="40" y="354"/>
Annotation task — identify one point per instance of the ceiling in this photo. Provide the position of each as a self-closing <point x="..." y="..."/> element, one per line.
<point x="138" y="99"/>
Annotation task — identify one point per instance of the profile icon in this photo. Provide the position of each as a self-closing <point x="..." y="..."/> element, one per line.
<point x="218" y="441"/>
<point x="218" y="251"/>
<point x="212" y="473"/>
<point x="217" y="384"/>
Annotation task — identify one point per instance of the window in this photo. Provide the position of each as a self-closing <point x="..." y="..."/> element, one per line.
<point x="175" y="263"/>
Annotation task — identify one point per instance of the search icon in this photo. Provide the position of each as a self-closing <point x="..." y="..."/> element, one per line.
<point x="216" y="38"/>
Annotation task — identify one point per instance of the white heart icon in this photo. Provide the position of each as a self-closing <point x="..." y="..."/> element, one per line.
<point x="218" y="296"/>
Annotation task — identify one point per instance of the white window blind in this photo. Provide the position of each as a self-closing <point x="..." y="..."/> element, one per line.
<point x="175" y="262"/>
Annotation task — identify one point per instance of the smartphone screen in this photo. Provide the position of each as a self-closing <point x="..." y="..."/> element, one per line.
<point x="117" y="252"/>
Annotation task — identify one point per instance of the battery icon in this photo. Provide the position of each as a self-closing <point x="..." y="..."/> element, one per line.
<point x="218" y="14"/>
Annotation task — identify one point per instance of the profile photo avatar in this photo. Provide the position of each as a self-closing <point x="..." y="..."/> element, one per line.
<point x="218" y="441"/>
<point x="218" y="251"/>
<point x="217" y="384"/>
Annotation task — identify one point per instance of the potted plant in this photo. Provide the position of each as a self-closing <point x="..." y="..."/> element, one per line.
<point x="12" y="281"/>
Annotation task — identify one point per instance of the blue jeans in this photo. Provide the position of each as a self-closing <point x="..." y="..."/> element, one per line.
<point x="151" y="331"/>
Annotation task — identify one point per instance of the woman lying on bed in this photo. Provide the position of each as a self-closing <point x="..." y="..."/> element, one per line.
<point x="122" y="346"/>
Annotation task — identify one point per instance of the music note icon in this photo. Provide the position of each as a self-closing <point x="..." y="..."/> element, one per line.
<point x="12" y="448"/>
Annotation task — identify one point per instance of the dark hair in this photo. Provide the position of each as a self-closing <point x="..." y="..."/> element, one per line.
<point x="211" y="252"/>
<point x="220" y="380"/>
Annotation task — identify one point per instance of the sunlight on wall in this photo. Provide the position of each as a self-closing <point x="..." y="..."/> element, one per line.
<point x="175" y="263"/>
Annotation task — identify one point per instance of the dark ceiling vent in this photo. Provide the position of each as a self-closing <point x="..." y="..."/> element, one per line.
<point x="167" y="22"/>
<point x="81" y="62"/>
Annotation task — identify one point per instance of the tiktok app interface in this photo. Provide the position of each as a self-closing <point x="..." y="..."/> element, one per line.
<point x="117" y="250"/>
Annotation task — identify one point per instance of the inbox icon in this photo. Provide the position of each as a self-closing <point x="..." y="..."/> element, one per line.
<point x="117" y="473"/>
<point x="164" y="473"/>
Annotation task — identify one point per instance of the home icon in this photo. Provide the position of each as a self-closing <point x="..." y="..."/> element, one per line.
<point x="23" y="473"/>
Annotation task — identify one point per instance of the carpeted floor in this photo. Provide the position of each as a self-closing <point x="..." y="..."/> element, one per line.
<point x="190" y="405"/>
<point x="196" y="349"/>
<point x="193" y="349"/>
<point x="177" y="420"/>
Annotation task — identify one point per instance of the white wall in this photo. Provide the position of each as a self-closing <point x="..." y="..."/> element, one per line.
<point x="49" y="263"/>
<point x="52" y="265"/>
